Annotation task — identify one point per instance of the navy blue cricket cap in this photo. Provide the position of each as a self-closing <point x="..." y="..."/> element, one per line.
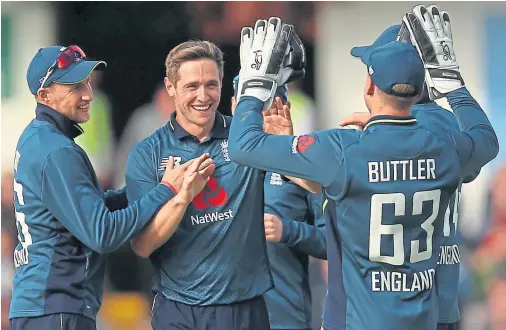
<point x="390" y="34"/>
<point x="74" y="73"/>
<point x="392" y="63"/>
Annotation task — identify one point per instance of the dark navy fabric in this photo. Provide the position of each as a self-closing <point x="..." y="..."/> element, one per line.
<point x="289" y="303"/>
<point x="246" y="315"/>
<point x="448" y="326"/>
<point x="59" y="321"/>
<point x="63" y="221"/>
<point x="391" y="184"/>
<point x="218" y="253"/>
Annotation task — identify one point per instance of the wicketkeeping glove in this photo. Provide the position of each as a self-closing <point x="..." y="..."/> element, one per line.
<point x="429" y="30"/>
<point x="271" y="55"/>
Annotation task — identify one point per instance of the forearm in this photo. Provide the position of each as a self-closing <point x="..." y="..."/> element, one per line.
<point x="310" y="186"/>
<point x="474" y="123"/>
<point x="161" y="228"/>
<point x="250" y="146"/>
<point x="305" y="238"/>
<point x="473" y="120"/>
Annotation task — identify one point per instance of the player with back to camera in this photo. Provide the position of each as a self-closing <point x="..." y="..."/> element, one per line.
<point x="385" y="207"/>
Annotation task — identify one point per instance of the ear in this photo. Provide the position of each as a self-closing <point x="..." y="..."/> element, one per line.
<point x="43" y="94"/>
<point x="171" y="89"/>
<point x="369" y="86"/>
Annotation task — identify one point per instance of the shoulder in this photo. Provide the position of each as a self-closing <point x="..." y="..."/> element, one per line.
<point x="41" y="140"/>
<point x="151" y="142"/>
<point x="434" y="114"/>
<point x="345" y="138"/>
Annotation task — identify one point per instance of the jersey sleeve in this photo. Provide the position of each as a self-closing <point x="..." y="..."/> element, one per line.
<point x="316" y="157"/>
<point x="477" y="142"/>
<point x="305" y="238"/>
<point x="140" y="174"/>
<point x="70" y="195"/>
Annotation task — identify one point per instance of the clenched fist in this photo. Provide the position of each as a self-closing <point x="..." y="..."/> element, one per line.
<point x="273" y="228"/>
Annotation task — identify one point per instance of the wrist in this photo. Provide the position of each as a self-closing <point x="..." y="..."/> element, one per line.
<point x="179" y="199"/>
<point x="169" y="185"/>
<point x="285" y="232"/>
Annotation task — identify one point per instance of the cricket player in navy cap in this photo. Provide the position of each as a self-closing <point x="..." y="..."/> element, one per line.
<point x="429" y="113"/>
<point x="387" y="188"/>
<point x="65" y="220"/>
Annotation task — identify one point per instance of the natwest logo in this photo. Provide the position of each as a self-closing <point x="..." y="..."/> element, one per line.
<point x="211" y="195"/>
<point x="212" y="217"/>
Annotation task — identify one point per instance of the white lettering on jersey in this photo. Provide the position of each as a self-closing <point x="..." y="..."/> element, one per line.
<point x="449" y="255"/>
<point x="405" y="170"/>
<point x="397" y="281"/>
<point x="294" y="144"/>
<point x="16" y="160"/>
<point x="212" y="217"/>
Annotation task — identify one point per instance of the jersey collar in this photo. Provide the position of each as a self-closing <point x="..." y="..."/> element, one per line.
<point x="220" y="128"/>
<point x="64" y="124"/>
<point x="391" y="120"/>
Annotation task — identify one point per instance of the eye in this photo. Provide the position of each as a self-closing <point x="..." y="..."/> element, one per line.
<point x="191" y="87"/>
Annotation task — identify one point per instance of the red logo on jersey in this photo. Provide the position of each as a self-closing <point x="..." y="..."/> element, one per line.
<point x="304" y="142"/>
<point x="211" y="195"/>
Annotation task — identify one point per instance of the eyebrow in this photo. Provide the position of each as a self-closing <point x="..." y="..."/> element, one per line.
<point x="191" y="83"/>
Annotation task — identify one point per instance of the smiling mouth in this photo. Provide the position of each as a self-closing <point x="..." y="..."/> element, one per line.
<point x="201" y="108"/>
<point x="83" y="107"/>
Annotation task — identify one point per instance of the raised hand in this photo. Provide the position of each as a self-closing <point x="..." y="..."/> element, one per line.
<point x="429" y="30"/>
<point x="359" y="119"/>
<point x="174" y="176"/>
<point x="271" y="55"/>
<point x="277" y="119"/>
<point x="195" y="177"/>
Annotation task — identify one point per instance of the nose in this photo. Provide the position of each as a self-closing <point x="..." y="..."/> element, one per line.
<point x="87" y="92"/>
<point x="202" y="94"/>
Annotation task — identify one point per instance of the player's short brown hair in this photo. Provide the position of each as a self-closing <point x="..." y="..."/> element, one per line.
<point x="403" y="96"/>
<point x="189" y="51"/>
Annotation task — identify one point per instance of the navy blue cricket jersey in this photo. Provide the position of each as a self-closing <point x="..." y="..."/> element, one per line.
<point x="64" y="221"/>
<point x="218" y="254"/>
<point x="289" y="303"/>
<point x="387" y="191"/>
<point x="447" y="277"/>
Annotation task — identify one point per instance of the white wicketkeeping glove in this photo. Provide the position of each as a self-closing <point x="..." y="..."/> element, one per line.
<point x="430" y="32"/>
<point x="271" y="55"/>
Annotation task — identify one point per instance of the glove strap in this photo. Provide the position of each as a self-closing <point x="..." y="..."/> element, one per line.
<point x="446" y="74"/>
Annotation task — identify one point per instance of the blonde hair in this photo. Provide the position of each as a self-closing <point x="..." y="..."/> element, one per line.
<point x="404" y="96"/>
<point x="189" y="51"/>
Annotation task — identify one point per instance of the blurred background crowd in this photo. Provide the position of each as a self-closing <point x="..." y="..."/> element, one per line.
<point x="130" y="103"/>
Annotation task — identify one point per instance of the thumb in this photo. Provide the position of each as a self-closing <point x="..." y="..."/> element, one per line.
<point x="170" y="163"/>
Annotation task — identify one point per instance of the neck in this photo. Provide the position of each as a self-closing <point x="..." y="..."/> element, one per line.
<point x="201" y="132"/>
<point x="387" y="110"/>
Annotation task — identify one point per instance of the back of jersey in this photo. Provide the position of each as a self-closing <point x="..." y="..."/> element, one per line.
<point x="432" y="115"/>
<point x="399" y="180"/>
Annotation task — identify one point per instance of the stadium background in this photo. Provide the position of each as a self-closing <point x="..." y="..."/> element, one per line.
<point x="135" y="37"/>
